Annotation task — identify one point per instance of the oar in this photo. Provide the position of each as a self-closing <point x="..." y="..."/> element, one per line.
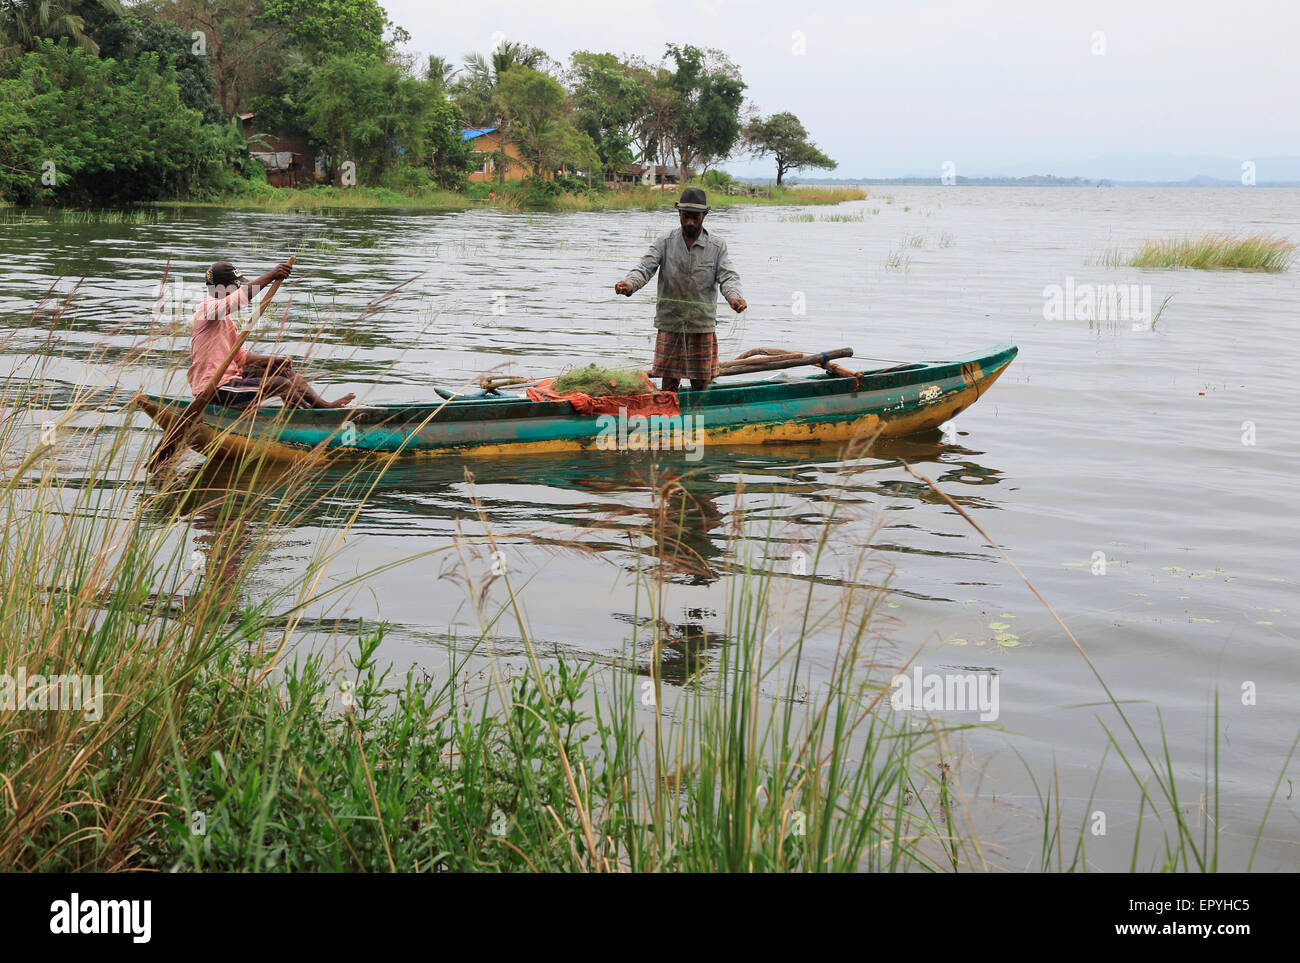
<point x="174" y="435"/>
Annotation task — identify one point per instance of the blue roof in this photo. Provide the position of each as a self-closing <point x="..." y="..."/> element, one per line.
<point x="469" y="133"/>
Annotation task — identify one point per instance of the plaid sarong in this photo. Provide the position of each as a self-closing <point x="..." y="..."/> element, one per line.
<point x="686" y="355"/>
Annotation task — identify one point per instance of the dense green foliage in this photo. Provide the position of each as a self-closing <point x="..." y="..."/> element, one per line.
<point x="365" y="110"/>
<point x="166" y="100"/>
<point x="86" y="130"/>
<point x="607" y="101"/>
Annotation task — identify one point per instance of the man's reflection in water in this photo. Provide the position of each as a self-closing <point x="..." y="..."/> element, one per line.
<point x="226" y="505"/>
<point x="684" y="646"/>
<point x="681" y="527"/>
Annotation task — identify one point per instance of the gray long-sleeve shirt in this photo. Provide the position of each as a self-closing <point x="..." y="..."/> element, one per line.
<point x="689" y="279"/>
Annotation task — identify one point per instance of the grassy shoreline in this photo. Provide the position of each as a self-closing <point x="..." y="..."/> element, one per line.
<point x="366" y="198"/>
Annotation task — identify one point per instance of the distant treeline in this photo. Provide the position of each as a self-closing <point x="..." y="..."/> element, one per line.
<point x="104" y="103"/>
<point x="1037" y="180"/>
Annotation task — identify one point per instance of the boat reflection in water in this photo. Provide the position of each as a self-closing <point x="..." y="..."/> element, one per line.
<point x="652" y="513"/>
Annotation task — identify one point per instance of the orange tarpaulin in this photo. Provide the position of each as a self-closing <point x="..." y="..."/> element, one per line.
<point x="650" y="403"/>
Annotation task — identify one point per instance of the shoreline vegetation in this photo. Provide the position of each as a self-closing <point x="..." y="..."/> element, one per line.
<point x="218" y="739"/>
<point x="513" y="195"/>
<point x="511" y="198"/>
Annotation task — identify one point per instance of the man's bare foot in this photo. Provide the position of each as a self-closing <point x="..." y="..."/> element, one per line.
<point x="342" y="402"/>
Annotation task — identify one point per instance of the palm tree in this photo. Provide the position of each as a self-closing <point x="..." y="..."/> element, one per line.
<point x="25" y="23"/>
<point x="440" y="71"/>
<point x="475" y="89"/>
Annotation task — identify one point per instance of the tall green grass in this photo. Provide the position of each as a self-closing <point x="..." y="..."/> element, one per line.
<point x="222" y="745"/>
<point x="1222" y="251"/>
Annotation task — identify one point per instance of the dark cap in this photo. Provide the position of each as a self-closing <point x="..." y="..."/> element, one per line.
<point x="692" y="200"/>
<point x="224" y="274"/>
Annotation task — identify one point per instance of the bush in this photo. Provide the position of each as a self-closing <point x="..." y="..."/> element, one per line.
<point x="407" y="180"/>
<point x="102" y="131"/>
<point x="716" y="180"/>
<point x="577" y="185"/>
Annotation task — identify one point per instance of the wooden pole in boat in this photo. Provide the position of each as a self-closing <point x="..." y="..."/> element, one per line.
<point x="746" y="366"/>
<point x="174" y="436"/>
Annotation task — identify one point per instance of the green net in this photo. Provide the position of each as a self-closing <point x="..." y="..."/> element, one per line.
<point x="598" y="381"/>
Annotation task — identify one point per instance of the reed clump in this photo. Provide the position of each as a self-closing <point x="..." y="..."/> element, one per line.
<point x="1209" y="252"/>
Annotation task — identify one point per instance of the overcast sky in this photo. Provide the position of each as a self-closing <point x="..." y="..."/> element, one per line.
<point x="892" y="88"/>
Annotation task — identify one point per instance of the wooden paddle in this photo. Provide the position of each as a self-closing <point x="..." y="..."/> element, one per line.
<point x="175" y="435"/>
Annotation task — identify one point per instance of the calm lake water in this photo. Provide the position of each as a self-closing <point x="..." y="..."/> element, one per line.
<point x="1142" y="476"/>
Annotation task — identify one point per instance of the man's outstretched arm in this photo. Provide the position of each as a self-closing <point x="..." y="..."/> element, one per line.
<point x="729" y="279"/>
<point x="643" y="272"/>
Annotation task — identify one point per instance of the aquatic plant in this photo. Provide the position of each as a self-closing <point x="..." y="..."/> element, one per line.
<point x="1208" y="252"/>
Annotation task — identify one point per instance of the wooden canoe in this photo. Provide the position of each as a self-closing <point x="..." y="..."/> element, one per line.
<point x="902" y="400"/>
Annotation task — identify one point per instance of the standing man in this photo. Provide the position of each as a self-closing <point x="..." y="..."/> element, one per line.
<point x="692" y="265"/>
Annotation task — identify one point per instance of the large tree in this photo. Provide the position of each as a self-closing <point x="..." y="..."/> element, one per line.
<point x="475" y="88"/>
<point x="607" y="102"/>
<point x="447" y="153"/>
<point x="247" y="53"/>
<point x="784" y="138"/>
<point x="705" y="117"/>
<point x="126" y="38"/>
<point x="651" y="131"/>
<point x="531" y="105"/>
<point x="362" y="109"/>
<point x="330" y="28"/>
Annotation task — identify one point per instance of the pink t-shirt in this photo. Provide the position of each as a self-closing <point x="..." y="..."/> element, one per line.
<point x="214" y="335"/>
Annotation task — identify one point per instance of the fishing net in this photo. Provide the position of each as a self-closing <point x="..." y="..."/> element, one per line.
<point x="594" y="390"/>
<point x="597" y="381"/>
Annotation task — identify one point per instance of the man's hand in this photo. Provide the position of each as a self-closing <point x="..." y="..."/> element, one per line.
<point x="738" y="304"/>
<point x="281" y="271"/>
<point x="624" y="288"/>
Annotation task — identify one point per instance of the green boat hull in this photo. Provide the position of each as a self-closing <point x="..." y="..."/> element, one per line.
<point x="902" y="400"/>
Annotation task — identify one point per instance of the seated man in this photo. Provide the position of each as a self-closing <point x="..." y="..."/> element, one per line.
<point x="251" y="378"/>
